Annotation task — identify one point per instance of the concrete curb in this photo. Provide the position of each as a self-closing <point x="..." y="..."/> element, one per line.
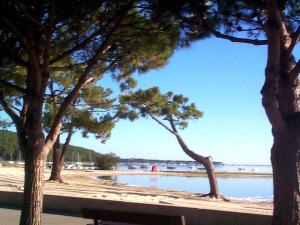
<point x="194" y="216"/>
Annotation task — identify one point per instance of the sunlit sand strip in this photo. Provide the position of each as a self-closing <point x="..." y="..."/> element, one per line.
<point x="82" y="184"/>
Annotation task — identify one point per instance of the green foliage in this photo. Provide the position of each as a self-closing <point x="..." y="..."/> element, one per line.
<point x="9" y="149"/>
<point x="75" y="41"/>
<point x="106" y="161"/>
<point x="80" y="154"/>
<point x="188" y="15"/>
<point x="92" y="112"/>
<point x="199" y="19"/>
<point x="4" y="124"/>
<point x="128" y="84"/>
<point x="167" y="106"/>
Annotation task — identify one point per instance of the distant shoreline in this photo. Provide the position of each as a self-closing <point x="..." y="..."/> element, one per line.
<point x="190" y="174"/>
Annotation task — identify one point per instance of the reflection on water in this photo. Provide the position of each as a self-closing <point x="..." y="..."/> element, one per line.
<point x="153" y="181"/>
<point x="252" y="188"/>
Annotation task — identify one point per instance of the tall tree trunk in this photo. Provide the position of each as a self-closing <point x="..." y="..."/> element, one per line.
<point x="34" y="140"/>
<point x="57" y="162"/>
<point x="281" y="101"/>
<point x="285" y="157"/>
<point x="285" y="154"/>
<point x="33" y="190"/>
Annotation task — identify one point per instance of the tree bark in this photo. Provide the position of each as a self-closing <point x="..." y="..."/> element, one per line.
<point x="57" y="162"/>
<point x="281" y="101"/>
<point x="33" y="190"/>
<point x="205" y="161"/>
<point x="285" y="157"/>
<point x="208" y="165"/>
<point x="285" y="152"/>
<point x="58" y="157"/>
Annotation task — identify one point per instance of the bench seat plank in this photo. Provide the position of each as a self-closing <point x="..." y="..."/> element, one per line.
<point x="122" y="217"/>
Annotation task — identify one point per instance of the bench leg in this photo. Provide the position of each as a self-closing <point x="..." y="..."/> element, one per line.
<point x="96" y="222"/>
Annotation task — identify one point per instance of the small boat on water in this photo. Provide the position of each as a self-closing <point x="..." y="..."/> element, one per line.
<point x="171" y="167"/>
<point x="201" y="168"/>
<point x="144" y="166"/>
<point x="132" y="167"/>
<point x="191" y="167"/>
<point x="241" y="168"/>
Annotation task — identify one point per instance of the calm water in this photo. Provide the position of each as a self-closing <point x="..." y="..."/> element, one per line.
<point x="244" y="188"/>
<point x="241" y="188"/>
<point x="224" y="168"/>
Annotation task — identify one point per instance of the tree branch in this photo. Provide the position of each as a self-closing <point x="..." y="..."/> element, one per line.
<point x="34" y="20"/>
<point x="7" y="108"/>
<point x="75" y="48"/>
<point x="217" y="34"/>
<point x="295" y="39"/>
<point x="199" y="158"/>
<point x="70" y="66"/>
<point x="255" y="4"/>
<point x="16" y="31"/>
<point x="183" y="145"/>
<point x="82" y="82"/>
<point x="12" y="56"/>
<point x="161" y="123"/>
<point x="240" y="40"/>
<point x="13" y="86"/>
<point x="296" y="70"/>
<point x="94" y="35"/>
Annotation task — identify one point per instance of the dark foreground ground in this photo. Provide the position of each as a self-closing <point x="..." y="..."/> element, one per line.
<point x="11" y="216"/>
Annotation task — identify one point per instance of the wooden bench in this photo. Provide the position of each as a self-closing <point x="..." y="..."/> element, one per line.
<point x="112" y="217"/>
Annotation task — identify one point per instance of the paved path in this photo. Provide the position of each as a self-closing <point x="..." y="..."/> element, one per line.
<point x="12" y="216"/>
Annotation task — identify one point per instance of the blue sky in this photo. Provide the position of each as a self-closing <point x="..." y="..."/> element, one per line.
<point x="224" y="80"/>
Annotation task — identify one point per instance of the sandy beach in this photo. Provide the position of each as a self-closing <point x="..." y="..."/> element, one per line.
<point x="83" y="183"/>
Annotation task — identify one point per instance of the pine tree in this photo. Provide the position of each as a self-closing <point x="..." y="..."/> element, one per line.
<point x="93" y="112"/>
<point x="43" y="38"/>
<point x="171" y="111"/>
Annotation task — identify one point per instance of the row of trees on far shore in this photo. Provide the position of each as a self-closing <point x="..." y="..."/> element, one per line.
<point x="9" y="150"/>
<point x="53" y="55"/>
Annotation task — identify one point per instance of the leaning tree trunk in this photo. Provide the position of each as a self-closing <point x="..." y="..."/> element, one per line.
<point x="208" y="165"/>
<point x="58" y="156"/>
<point x="57" y="162"/>
<point x="205" y="161"/>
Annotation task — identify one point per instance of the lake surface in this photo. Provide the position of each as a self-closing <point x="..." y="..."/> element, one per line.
<point x="241" y="188"/>
<point x="251" y="188"/>
<point x="220" y="168"/>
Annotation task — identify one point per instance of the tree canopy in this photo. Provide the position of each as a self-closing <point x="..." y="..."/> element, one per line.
<point x="170" y="107"/>
<point x="81" y="42"/>
<point x="42" y="39"/>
